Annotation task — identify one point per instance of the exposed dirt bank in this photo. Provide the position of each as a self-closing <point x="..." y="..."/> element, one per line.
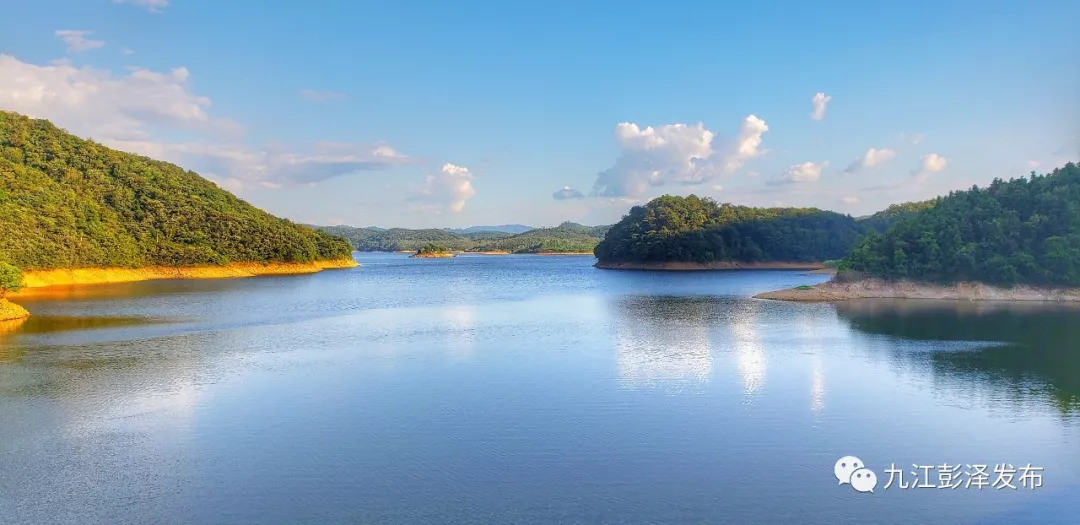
<point x="879" y="289"/>
<point x="715" y="265"/>
<point x="78" y="276"/>
<point x="432" y="255"/>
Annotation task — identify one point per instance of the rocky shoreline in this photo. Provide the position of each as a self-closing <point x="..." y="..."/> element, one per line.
<point x="680" y="266"/>
<point x="880" y="289"/>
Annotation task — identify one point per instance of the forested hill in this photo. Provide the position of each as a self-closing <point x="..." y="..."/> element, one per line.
<point x="694" y="229"/>
<point x="1024" y="231"/>
<point x="67" y="202"/>
<point x="567" y="237"/>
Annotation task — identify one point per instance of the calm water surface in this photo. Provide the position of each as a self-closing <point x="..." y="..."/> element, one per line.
<point x="524" y="389"/>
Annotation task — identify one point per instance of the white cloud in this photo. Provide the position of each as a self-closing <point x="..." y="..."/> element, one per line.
<point x="567" y="193"/>
<point x="717" y="187"/>
<point x="675" y="153"/>
<point x="154" y="6"/>
<point x="1032" y="164"/>
<point x="127" y="51"/>
<point x="77" y="41"/>
<point x="930" y="164"/>
<point x="316" y="95"/>
<point x="849" y="199"/>
<point x="128" y="112"/>
<point x="820" y="102"/>
<point x="805" y="172"/>
<point x="872" y="157"/>
<point x="448" y="190"/>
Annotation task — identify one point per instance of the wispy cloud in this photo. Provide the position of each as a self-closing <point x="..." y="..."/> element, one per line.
<point x="567" y="193"/>
<point x="820" y="102"/>
<point x="872" y="157"/>
<point x="800" y="173"/>
<point x="77" y="41"/>
<point x="930" y="164"/>
<point x="154" y="6"/>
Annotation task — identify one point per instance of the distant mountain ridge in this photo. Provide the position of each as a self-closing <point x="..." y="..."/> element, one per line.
<point x="566" y="237"/>
<point x="503" y="228"/>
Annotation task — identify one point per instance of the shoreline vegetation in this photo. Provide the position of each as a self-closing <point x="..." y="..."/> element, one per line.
<point x="708" y="266"/>
<point x="74" y="212"/>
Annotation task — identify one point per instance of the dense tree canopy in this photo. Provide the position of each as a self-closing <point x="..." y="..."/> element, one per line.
<point x="672" y="228"/>
<point x="1026" y="230"/>
<point x="567" y="237"/>
<point x="68" y="202"/>
<point x="10" y="278"/>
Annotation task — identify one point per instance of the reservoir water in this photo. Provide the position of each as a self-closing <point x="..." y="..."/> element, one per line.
<point x="527" y="389"/>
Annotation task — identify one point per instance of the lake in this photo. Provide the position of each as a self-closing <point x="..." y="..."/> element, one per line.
<point x="521" y="389"/>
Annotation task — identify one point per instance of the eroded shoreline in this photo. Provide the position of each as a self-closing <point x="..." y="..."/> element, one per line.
<point x="38" y="279"/>
<point x="879" y="289"/>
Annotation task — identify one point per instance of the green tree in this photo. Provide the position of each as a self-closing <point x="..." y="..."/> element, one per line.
<point x="10" y="279"/>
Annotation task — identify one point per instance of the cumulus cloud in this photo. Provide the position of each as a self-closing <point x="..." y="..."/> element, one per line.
<point x="127" y="51"/>
<point x="930" y="164"/>
<point x="448" y="190"/>
<point x="567" y="193"/>
<point x="316" y="95"/>
<point x="154" y="6"/>
<point x="675" y="153"/>
<point x="796" y="173"/>
<point x="872" y="157"/>
<point x="77" y="41"/>
<point x="128" y="111"/>
<point x="820" y="102"/>
<point x="851" y="199"/>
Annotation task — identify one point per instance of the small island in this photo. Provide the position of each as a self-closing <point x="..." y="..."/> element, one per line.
<point x="433" y="251"/>
<point x="1016" y="240"/>
<point x="673" y="233"/>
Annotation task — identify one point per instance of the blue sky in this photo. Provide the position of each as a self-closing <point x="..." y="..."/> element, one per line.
<point x="449" y="114"/>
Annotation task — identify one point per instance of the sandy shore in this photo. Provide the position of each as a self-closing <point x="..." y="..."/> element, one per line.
<point x="879" y="289"/>
<point x="79" y="276"/>
<point x="431" y="255"/>
<point x="715" y="265"/>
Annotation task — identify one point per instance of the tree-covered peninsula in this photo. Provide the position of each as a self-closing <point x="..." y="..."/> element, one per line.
<point x="67" y="202"/>
<point x="1021" y="231"/>
<point x="696" y="231"/>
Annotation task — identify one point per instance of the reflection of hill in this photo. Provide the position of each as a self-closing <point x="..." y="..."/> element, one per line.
<point x="663" y="339"/>
<point x="1039" y="360"/>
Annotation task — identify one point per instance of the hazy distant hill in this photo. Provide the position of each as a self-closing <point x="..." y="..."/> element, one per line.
<point x="68" y="202"/>
<point x="504" y="228"/>
<point x="567" y="237"/>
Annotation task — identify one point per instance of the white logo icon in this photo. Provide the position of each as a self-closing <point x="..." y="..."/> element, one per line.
<point x="852" y="470"/>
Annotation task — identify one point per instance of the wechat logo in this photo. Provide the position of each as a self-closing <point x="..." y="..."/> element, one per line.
<point x="852" y="470"/>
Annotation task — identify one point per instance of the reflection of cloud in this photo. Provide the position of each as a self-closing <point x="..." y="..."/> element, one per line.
<point x="749" y="354"/>
<point x="662" y="340"/>
<point x="817" y="384"/>
<point x="460" y="324"/>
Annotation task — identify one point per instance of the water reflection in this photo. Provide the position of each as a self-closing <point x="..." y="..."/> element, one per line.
<point x="749" y="352"/>
<point x="1030" y="356"/>
<point x="663" y="339"/>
